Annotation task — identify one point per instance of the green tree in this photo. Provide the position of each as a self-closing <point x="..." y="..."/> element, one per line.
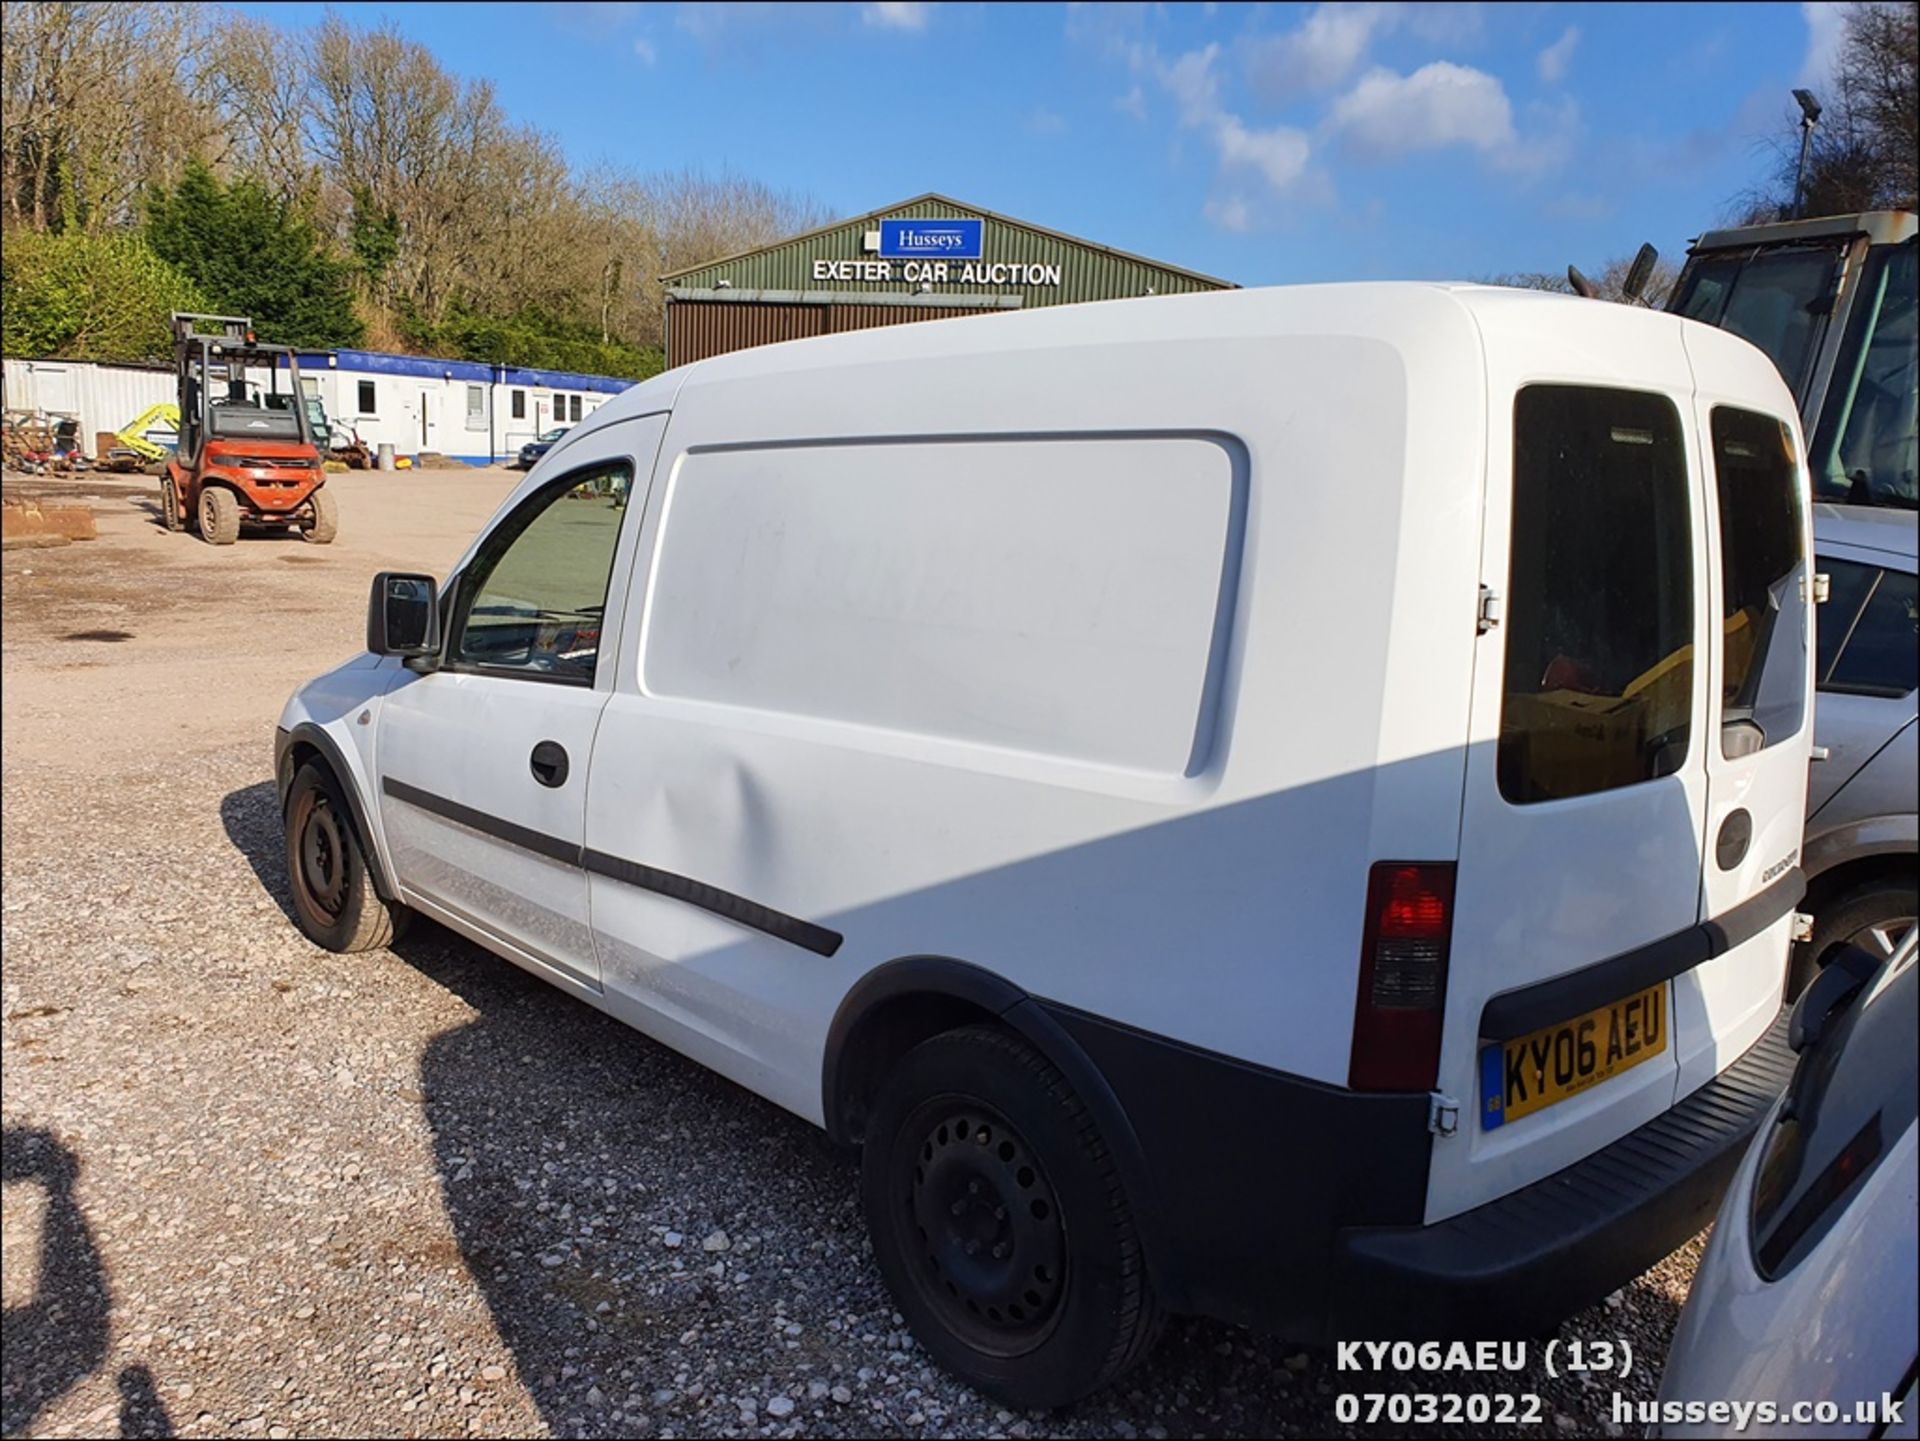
<point x="89" y="297"/>
<point x="254" y="255"/>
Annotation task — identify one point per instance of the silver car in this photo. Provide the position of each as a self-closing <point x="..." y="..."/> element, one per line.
<point x="1863" y="835"/>
<point x="1802" y="1317"/>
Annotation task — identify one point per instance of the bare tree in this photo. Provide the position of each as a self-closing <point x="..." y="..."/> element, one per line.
<point x="1611" y="281"/>
<point x="1862" y="155"/>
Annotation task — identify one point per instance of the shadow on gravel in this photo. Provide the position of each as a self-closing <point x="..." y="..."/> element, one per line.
<point x="55" y="1340"/>
<point x="567" y="1144"/>
<point x="253" y="824"/>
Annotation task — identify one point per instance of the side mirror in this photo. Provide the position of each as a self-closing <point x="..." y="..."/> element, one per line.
<point x="1640" y="272"/>
<point x="403" y="615"/>
<point x="1837" y="984"/>
<point x="1581" y="285"/>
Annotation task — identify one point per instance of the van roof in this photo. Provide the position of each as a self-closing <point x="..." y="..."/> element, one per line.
<point x="1400" y="313"/>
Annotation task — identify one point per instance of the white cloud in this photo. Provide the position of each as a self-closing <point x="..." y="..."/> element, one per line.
<point x="1279" y="154"/>
<point x="1133" y="103"/>
<point x="1319" y="54"/>
<point x="1387" y="115"/>
<point x="1826" y="31"/>
<point x="1232" y="213"/>
<point x="897" y="14"/>
<point x="1553" y="62"/>
<point x="1192" y="83"/>
<point x="643" y="47"/>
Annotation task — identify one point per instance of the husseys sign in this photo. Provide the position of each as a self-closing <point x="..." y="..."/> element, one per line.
<point x="932" y="252"/>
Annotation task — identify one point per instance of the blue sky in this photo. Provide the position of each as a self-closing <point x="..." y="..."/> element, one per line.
<point x="1262" y="143"/>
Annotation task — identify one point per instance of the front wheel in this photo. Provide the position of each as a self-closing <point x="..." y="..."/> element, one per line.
<point x="334" y="900"/>
<point x="170" y="504"/>
<point x="325" y="523"/>
<point x="1000" y="1222"/>
<point x="219" y="515"/>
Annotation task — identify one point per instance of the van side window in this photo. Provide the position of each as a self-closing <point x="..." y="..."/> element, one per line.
<point x="531" y="603"/>
<point x="1600" y="658"/>
<point x="1763" y="577"/>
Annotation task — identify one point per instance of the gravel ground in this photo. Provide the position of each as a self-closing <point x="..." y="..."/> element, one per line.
<point x="253" y="1188"/>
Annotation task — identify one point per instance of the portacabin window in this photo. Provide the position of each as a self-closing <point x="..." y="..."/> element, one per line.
<point x="476" y="407"/>
<point x="573" y="407"/>
<point x="367" y="406"/>
<point x="1599" y="681"/>
<point x="519" y="403"/>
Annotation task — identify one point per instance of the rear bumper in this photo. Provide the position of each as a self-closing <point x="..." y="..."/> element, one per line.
<point x="1520" y="1265"/>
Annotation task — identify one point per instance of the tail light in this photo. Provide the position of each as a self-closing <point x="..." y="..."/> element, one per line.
<point x="1403" y="977"/>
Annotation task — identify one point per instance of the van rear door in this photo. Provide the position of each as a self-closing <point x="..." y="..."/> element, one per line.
<point x="1759" y="734"/>
<point x="1586" y="784"/>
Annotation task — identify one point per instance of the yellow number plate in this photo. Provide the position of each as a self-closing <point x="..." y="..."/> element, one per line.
<point x="1520" y="1077"/>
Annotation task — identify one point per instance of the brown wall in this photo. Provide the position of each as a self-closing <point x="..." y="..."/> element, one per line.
<point x="697" y="329"/>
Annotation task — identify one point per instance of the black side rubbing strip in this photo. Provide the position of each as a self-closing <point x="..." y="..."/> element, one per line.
<point x="724" y="904"/>
<point x="1521" y="1012"/>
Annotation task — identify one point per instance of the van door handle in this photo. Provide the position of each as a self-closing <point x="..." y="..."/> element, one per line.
<point x="549" y="763"/>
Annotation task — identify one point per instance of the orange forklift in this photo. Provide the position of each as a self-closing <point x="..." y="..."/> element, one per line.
<point x="247" y="454"/>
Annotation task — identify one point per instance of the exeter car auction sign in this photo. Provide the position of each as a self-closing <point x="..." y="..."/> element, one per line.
<point x="936" y="239"/>
<point x="932" y="252"/>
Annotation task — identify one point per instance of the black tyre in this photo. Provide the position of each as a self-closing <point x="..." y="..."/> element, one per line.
<point x="219" y="515"/>
<point x="324" y="524"/>
<point x="1873" y="916"/>
<point x="333" y="896"/>
<point x="1000" y="1222"/>
<point x="170" y="505"/>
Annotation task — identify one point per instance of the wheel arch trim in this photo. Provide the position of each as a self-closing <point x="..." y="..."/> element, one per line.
<point x="286" y="745"/>
<point x="908" y="978"/>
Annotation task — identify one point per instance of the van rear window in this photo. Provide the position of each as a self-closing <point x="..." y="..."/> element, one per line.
<point x="1599" y="663"/>
<point x="1763" y="579"/>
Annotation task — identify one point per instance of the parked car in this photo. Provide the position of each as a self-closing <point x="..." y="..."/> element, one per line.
<point x="1807" y="1293"/>
<point x="1862" y="854"/>
<point x="540" y="445"/>
<point x="1212" y="794"/>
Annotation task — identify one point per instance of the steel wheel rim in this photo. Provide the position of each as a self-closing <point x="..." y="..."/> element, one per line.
<point x="982" y="1226"/>
<point x="322" y="869"/>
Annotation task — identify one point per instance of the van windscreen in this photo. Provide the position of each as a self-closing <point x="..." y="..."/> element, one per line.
<point x="1763" y="577"/>
<point x="1598" y="691"/>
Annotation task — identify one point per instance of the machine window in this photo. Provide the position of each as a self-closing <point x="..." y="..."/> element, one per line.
<point x="532" y="601"/>
<point x="1763" y="578"/>
<point x="1865" y="449"/>
<point x="1600" y="646"/>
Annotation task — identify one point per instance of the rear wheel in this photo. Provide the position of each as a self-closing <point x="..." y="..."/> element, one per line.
<point x="219" y="516"/>
<point x="1873" y="916"/>
<point x="333" y="896"/>
<point x="170" y="505"/>
<point x="325" y="523"/>
<point x="1000" y="1222"/>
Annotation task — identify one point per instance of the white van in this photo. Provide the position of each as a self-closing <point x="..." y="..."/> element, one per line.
<point x="1281" y="804"/>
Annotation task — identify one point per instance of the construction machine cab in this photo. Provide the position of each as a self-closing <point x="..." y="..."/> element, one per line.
<point x="1833" y="302"/>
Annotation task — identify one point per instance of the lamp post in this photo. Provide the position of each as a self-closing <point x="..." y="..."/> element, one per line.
<point x="1809" y="117"/>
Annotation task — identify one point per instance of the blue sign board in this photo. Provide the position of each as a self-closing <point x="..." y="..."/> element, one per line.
<point x="930" y="239"/>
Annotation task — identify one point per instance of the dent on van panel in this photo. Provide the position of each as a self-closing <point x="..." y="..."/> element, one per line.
<point x="1061" y="596"/>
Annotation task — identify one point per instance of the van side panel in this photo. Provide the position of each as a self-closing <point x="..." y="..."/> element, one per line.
<point x="1210" y="893"/>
